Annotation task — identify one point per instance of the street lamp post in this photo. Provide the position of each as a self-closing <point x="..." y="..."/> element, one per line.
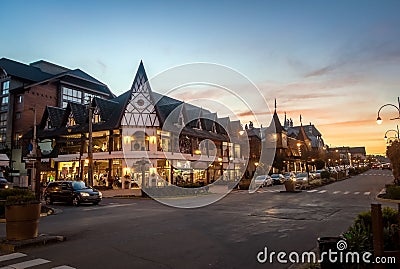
<point x="90" y="146"/>
<point x="379" y="119"/>
<point x="397" y="136"/>
<point x="36" y="154"/>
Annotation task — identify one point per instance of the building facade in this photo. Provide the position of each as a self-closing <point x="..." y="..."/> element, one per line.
<point x="140" y="137"/>
<point x="26" y="91"/>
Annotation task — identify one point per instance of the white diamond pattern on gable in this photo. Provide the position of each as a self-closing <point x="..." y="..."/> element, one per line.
<point x="140" y="111"/>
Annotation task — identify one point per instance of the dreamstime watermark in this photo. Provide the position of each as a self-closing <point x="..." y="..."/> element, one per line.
<point x="340" y="255"/>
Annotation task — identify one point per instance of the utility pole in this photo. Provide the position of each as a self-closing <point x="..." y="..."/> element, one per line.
<point x="90" y="146"/>
<point x="37" y="157"/>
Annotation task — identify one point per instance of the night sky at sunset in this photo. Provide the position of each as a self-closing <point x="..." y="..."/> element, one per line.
<point x="333" y="62"/>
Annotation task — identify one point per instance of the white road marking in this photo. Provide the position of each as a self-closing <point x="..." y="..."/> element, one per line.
<point x="336" y="192"/>
<point x="11" y="256"/>
<point x="26" y="264"/>
<point x="106" y="206"/>
<point x="367" y="193"/>
<point x="357" y="192"/>
<point x="323" y="191"/>
<point x="346" y="192"/>
<point x="311" y="191"/>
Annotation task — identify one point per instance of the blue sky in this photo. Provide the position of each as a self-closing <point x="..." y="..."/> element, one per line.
<point x="335" y="62"/>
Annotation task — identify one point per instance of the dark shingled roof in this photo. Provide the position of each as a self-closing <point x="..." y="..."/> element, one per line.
<point x="112" y="110"/>
<point x="23" y="71"/>
<point x="276" y="123"/>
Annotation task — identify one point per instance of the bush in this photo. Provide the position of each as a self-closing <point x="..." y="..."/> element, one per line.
<point x="325" y="174"/>
<point x="315" y="183"/>
<point x="12" y="196"/>
<point x="393" y="192"/>
<point x="359" y="235"/>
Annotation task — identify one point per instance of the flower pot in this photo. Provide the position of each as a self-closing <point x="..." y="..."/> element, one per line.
<point x="22" y="221"/>
<point x="289" y="185"/>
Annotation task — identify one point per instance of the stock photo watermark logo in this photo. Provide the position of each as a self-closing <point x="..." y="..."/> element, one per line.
<point x="183" y="136"/>
<point x="340" y="255"/>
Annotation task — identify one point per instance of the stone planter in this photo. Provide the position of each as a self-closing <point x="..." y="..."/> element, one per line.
<point x="290" y="185"/>
<point x="22" y="221"/>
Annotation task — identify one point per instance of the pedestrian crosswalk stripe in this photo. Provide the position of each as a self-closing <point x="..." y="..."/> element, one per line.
<point x="336" y="192"/>
<point x="346" y="192"/>
<point x="322" y="191"/>
<point x="63" y="267"/>
<point x="367" y="193"/>
<point x="11" y="256"/>
<point x="26" y="264"/>
<point x="312" y="191"/>
<point x="357" y="192"/>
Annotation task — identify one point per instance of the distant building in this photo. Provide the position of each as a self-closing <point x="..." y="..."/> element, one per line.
<point x="295" y="146"/>
<point x="349" y="155"/>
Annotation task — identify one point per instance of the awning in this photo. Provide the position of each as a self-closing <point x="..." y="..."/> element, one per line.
<point x="4" y="161"/>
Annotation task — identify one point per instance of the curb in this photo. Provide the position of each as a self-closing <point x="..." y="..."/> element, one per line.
<point x="12" y="246"/>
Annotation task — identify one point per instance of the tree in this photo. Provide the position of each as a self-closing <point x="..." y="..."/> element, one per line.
<point x="393" y="153"/>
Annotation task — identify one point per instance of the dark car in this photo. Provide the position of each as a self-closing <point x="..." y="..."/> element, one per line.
<point x="278" y="178"/>
<point x="3" y="183"/>
<point x="73" y="192"/>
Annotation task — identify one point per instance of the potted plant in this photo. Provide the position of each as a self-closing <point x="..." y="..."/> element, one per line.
<point x="22" y="216"/>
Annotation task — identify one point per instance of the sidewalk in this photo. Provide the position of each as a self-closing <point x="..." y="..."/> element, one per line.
<point x="121" y="192"/>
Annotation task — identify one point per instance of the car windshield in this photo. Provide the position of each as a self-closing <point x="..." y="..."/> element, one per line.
<point x="301" y="175"/>
<point x="275" y="175"/>
<point x="260" y="178"/>
<point x="79" y="185"/>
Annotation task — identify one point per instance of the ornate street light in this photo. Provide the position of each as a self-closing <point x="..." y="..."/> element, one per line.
<point x="392" y="130"/>
<point x="379" y="119"/>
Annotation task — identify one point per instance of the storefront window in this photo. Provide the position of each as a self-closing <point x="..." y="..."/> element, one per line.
<point x="140" y="141"/>
<point x="237" y="151"/>
<point x="164" y="141"/>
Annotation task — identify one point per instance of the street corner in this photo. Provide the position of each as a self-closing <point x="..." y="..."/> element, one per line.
<point x="43" y="239"/>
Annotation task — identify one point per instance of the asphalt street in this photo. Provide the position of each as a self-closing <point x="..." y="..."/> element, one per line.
<point x="142" y="233"/>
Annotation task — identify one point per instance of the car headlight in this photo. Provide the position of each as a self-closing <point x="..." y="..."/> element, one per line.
<point x="6" y="187"/>
<point x="84" y="194"/>
<point x="100" y="194"/>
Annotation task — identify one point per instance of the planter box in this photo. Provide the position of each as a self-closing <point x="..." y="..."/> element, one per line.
<point x="22" y="221"/>
<point x="289" y="185"/>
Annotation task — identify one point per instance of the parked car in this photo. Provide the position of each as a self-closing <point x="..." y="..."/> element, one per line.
<point x="290" y="176"/>
<point x="316" y="174"/>
<point x="4" y="183"/>
<point x="74" y="192"/>
<point x="278" y="178"/>
<point x="386" y="166"/>
<point x="301" y="178"/>
<point x="264" y="180"/>
<point x="376" y="166"/>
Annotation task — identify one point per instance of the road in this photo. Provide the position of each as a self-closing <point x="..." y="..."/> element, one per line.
<point x="142" y="233"/>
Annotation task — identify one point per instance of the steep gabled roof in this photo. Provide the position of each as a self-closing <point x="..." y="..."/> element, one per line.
<point x="276" y="123"/>
<point x="106" y="107"/>
<point x="302" y="136"/>
<point x="55" y="114"/>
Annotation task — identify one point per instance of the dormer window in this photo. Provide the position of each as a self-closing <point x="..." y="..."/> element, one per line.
<point x="96" y="115"/>
<point x="214" y="128"/>
<point x="71" y="120"/>
<point x="48" y="124"/>
<point x="198" y="124"/>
